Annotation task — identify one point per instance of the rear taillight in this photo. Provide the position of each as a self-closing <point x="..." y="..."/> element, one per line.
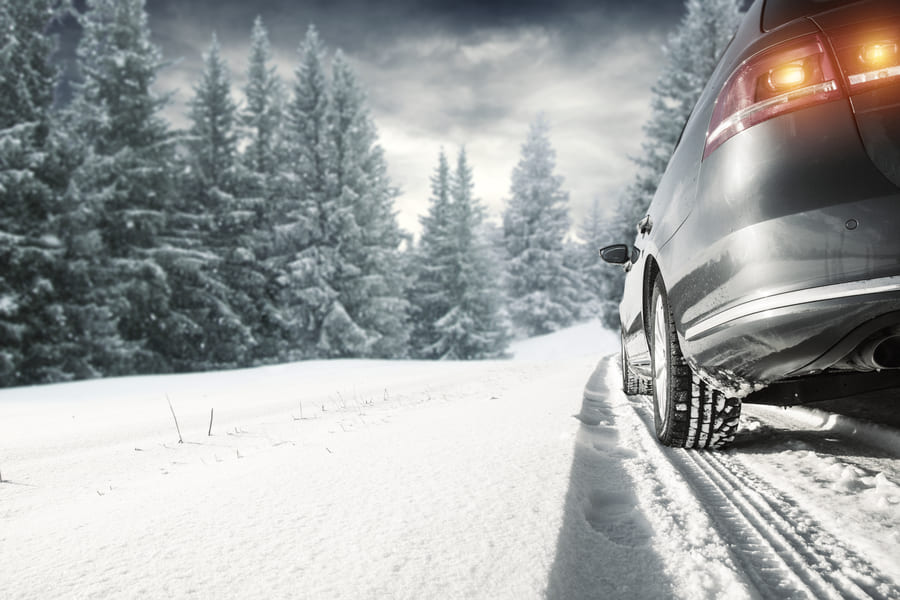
<point x="791" y="76"/>
<point x="869" y="56"/>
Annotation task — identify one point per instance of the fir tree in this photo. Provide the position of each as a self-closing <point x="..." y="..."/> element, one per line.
<point x="49" y="329"/>
<point x="209" y="271"/>
<point x="541" y="286"/>
<point x="26" y="85"/>
<point x="262" y="165"/>
<point x="370" y="289"/>
<point x="456" y="296"/>
<point x="602" y="285"/>
<point x="304" y="249"/>
<point x="213" y="140"/>
<point x="93" y="346"/>
<point x="339" y="243"/>
<point x="123" y="183"/>
<point x="262" y="114"/>
<point x="474" y="327"/>
<point x="433" y="263"/>
<point x="27" y="76"/>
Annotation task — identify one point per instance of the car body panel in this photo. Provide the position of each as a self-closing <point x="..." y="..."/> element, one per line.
<point x="877" y="111"/>
<point x="780" y="250"/>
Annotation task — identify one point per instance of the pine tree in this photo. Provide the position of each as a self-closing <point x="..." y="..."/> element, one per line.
<point x="691" y="54"/>
<point x="49" y="329"/>
<point x="474" y="326"/>
<point x="541" y="286"/>
<point x="123" y="185"/>
<point x="370" y="290"/>
<point x="602" y="285"/>
<point x="212" y="139"/>
<point x="24" y="198"/>
<point x="208" y="269"/>
<point x="261" y="179"/>
<point x="27" y="76"/>
<point x="262" y="114"/>
<point x="338" y="242"/>
<point x="304" y="262"/>
<point x="434" y="261"/>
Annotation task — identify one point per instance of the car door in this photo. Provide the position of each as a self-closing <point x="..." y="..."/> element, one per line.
<point x="631" y="310"/>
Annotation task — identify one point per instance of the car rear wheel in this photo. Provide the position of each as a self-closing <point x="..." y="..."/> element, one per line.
<point x="631" y="383"/>
<point x="687" y="413"/>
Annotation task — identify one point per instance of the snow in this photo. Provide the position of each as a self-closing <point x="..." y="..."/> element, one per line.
<point x="585" y="339"/>
<point x="9" y="304"/>
<point x="413" y="479"/>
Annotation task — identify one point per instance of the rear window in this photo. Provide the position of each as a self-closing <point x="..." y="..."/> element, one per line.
<point x="778" y="12"/>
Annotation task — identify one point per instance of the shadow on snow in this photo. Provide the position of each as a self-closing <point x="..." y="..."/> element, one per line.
<point x="605" y="547"/>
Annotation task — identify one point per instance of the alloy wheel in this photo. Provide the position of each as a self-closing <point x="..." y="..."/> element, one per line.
<point x="661" y="361"/>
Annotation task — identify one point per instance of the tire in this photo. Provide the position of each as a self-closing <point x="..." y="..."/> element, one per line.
<point x="632" y="385"/>
<point x="687" y="413"/>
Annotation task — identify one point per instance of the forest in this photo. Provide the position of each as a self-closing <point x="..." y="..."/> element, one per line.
<point x="266" y="231"/>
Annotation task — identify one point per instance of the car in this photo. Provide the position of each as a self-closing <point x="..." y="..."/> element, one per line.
<point x="767" y="267"/>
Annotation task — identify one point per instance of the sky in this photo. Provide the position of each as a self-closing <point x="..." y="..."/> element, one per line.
<point x="447" y="74"/>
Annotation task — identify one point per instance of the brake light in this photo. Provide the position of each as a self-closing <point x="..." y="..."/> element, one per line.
<point x="791" y="76"/>
<point x="869" y="57"/>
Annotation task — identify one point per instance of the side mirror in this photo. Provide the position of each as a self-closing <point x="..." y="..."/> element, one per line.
<point x="617" y="254"/>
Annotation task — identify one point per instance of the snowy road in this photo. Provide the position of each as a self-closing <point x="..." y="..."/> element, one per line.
<point x="360" y="479"/>
<point x="806" y="504"/>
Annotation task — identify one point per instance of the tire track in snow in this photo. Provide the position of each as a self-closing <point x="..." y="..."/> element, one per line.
<point x="772" y="535"/>
<point x="846" y="569"/>
<point x="778" y="545"/>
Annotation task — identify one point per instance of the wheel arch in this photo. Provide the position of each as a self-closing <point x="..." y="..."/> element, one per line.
<point x="651" y="272"/>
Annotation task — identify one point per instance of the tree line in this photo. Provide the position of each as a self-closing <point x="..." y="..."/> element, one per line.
<point x="265" y="232"/>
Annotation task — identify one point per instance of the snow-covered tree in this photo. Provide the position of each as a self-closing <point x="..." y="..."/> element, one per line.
<point x="691" y="54"/>
<point x="474" y="326"/>
<point x="366" y="238"/>
<point x="541" y="286"/>
<point x="213" y="139"/>
<point x="262" y="181"/>
<point x="27" y="76"/>
<point x="434" y="263"/>
<point x="50" y="330"/>
<point x="262" y="114"/>
<point x="26" y="87"/>
<point x="209" y="269"/>
<point x="602" y="284"/>
<point x="337" y="241"/>
<point x="123" y="183"/>
<point x="304" y="249"/>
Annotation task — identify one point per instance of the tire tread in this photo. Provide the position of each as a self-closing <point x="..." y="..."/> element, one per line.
<point x="700" y="416"/>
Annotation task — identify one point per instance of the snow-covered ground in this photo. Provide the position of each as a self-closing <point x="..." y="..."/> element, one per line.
<point x="526" y="478"/>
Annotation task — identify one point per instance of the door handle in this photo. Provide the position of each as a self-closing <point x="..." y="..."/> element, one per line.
<point x="645" y="225"/>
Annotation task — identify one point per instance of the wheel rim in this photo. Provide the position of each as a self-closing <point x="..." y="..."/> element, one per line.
<point x="660" y="361"/>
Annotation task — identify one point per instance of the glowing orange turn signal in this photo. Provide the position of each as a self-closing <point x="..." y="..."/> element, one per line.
<point x="879" y="54"/>
<point x="786" y="77"/>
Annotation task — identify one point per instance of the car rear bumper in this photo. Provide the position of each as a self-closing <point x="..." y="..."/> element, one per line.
<point x="803" y="300"/>
<point x="793" y="334"/>
<point x="791" y="248"/>
<point x="799" y="293"/>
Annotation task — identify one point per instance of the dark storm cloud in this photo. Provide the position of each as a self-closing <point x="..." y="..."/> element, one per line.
<point x="353" y="23"/>
<point x="447" y="73"/>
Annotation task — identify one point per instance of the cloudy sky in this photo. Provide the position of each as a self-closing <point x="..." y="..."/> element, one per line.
<point x="447" y="73"/>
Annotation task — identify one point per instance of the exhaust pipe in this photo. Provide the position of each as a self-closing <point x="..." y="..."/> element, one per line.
<point x="881" y="351"/>
<point x="886" y="354"/>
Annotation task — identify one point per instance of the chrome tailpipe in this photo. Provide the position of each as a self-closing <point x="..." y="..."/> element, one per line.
<point x="881" y="351"/>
